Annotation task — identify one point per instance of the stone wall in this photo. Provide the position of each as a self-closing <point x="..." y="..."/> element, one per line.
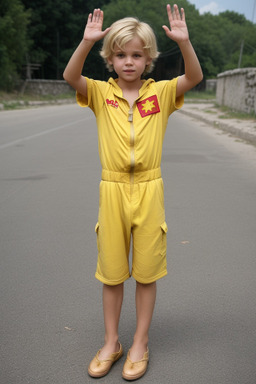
<point x="237" y="89"/>
<point x="211" y="85"/>
<point x="46" y="87"/>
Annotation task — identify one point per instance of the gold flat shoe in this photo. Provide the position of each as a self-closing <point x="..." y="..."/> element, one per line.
<point x="99" y="368"/>
<point x="135" y="370"/>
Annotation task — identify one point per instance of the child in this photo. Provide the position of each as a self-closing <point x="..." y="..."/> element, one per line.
<point x="131" y="115"/>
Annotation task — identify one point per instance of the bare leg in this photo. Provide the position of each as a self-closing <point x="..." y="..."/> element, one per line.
<point x="145" y="303"/>
<point x="112" y="304"/>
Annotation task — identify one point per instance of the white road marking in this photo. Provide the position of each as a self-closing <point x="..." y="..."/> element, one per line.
<point x="27" y="138"/>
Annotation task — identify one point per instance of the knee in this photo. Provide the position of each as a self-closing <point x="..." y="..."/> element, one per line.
<point x="153" y="284"/>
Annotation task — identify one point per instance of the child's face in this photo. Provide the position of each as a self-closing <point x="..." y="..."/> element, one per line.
<point x="130" y="62"/>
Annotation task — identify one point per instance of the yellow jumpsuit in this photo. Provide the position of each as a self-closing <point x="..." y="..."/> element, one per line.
<point x="131" y="190"/>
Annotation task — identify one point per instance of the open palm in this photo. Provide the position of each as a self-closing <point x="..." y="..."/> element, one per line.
<point x="93" y="30"/>
<point x="178" y="30"/>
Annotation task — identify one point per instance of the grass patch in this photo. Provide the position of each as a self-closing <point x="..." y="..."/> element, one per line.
<point x="9" y="105"/>
<point x="6" y="97"/>
<point x="15" y="100"/>
<point x="203" y="95"/>
<point x="229" y="113"/>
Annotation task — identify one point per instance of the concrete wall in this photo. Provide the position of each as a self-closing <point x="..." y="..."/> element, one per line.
<point x="237" y="89"/>
<point x="46" y="87"/>
<point x="211" y="85"/>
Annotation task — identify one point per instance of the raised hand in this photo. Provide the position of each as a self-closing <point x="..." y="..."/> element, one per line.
<point x="178" y="30"/>
<point x="93" y="30"/>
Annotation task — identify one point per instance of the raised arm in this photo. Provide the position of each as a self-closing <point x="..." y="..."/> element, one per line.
<point x="178" y="32"/>
<point x="92" y="33"/>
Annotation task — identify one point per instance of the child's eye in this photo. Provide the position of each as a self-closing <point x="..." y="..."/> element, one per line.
<point x="137" y="55"/>
<point x="120" y="55"/>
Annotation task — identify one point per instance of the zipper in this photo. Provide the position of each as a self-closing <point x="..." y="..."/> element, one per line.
<point x="132" y="141"/>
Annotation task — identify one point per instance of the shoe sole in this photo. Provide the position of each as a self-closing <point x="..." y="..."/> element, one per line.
<point x="102" y="374"/>
<point x="134" y="377"/>
<point x="92" y="374"/>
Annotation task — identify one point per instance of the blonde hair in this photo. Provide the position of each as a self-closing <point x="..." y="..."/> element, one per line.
<point x="124" y="30"/>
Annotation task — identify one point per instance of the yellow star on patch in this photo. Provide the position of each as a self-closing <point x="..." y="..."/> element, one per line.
<point x="148" y="106"/>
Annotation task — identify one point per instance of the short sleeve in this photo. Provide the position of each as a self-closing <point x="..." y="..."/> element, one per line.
<point x="95" y="98"/>
<point x="167" y="92"/>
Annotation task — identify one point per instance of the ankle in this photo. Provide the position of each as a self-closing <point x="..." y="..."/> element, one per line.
<point x="113" y="340"/>
<point x="140" y="340"/>
<point x="137" y="351"/>
<point x="108" y="349"/>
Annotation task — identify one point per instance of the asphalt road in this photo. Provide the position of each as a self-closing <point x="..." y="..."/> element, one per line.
<point x="204" y="326"/>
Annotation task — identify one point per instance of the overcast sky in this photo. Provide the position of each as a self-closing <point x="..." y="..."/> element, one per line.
<point x="245" y="7"/>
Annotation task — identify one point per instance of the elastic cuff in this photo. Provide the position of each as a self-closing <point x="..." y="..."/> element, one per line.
<point x="142" y="280"/>
<point x="111" y="282"/>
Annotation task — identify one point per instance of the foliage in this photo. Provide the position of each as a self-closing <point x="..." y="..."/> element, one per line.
<point x="46" y="32"/>
<point x="14" y="41"/>
<point x="217" y="39"/>
<point x="56" y="29"/>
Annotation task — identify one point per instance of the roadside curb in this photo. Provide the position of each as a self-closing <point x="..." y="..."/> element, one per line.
<point x="230" y="127"/>
<point x="37" y="103"/>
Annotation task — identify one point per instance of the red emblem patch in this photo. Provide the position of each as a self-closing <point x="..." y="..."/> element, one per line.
<point x="113" y="103"/>
<point x="148" y="106"/>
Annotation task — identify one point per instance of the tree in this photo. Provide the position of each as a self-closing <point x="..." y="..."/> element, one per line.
<point x="57" y="26"/>
<point x="14" y="42"/>
<point x="47" y="31"/>
<point x="219" y="40"/>
<point x="56" y="29"/>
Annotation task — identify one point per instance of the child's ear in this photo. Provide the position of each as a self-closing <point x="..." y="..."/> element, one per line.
<point x="148" y="64"/>
<point x="149" y="61"/>
<point x="110" y="62"/>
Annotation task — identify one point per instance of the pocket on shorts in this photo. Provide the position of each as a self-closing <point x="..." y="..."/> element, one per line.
<point x="97" y="226"/>
<point x="164" y="230"/>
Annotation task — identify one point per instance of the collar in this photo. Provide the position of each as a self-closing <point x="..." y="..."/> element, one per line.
<point x="119" y="93"/>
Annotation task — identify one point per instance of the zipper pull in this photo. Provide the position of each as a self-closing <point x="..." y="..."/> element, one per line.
<point x="130" y="115"/>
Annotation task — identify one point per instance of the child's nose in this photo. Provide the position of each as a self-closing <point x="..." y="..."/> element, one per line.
<point x="128" y="60"/>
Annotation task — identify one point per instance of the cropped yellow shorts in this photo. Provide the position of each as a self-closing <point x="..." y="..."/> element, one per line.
<point x="131" y="210"/>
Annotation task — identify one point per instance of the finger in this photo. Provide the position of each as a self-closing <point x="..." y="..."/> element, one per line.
<point x="89" y="18"/>
<point x="176" y="13"/>
<point x="169" y="12"/>
<point x="106" y="31"/>
<point x="101" y="16"/>
<point x="98" y="15"/>
<point x="166" y="29"/>
<point x="95" y="17"/>
<point x="182" y="14"/>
